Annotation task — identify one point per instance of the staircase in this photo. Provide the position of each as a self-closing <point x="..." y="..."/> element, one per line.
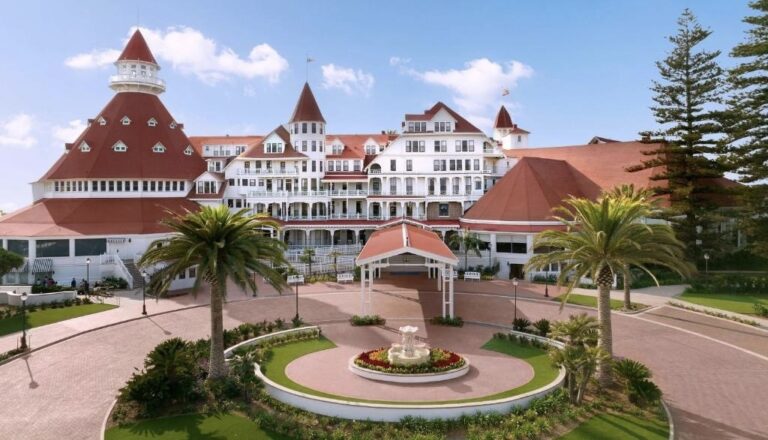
<point x="138" y="280"/>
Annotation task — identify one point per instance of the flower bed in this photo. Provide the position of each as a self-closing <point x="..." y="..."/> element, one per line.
<point x="440" y="360"/>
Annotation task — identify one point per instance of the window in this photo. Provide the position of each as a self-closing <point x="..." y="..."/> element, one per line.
<point x="102" y="121"/>
<point x="330" y="166"/>
<point x="274" y="147"/>
<point x="393" y="165"/>
<point x="357" y="166"/>
<point x="441" y="146"/>
<point x="409" y="186"/>
<point x="19" y="247"/>
<point x="442" y="127"/>
<point x="442" y="210"/>
<point x="371" y="149"/>
<point x="126" y="120"/>
<point x="519" y="248"/>
<point x="346" y="165"/>
<point x="304" y="145"/>
<point x="314" y="166"/>
<point x="314" y="129"/>
<point x="94" y="185"/>
<point x="418" y="127"/>
<point x="504" y="248"/>
<point x="188" y="150"/>
<point x="465" y="146"/>
<point x="304" y="166"/>
<point x="408" y="165"/>
<point x="206" y="187"/>
<point x="90" y="246"/>
<point x="158" y="148"/>
<point x="84" y="147"/>
<point x="52" y="248"/>
<point x="314" y="143"/>
<point x="152" y="122"/>
<point x="478" y="184"/>
<point x="120" y="147"/>
<point x="295" y="128"/>
<point x="192" y="272"/>
<point x="477" y="164"/>
<point x="519" y="138"/>
<point x="172" y="125"/>
<point x="303" y="127"/>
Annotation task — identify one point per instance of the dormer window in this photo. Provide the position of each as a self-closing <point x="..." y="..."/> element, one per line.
<point x="188" y="150"/>
<point x="152" y="122"/>
<point x="126" y="120"/>
<point x="371" y="149"/>
<point x="102" y="121"/>
<point x="172" y="125"/>
<point x="84" y="147"/>
<point x="120" y="147"/>
<point x="274" y="147"/>
<point x="158" y="148"/>
<point x="337" y="149"/>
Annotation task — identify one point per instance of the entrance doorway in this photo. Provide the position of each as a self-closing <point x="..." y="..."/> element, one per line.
<point x="516" y="271"/>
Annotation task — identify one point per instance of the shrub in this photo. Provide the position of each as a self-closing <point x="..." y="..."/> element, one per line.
<point x="637" y="384"/>
<point x="113" y="282"/>
<point x="456" y="321"/>
<point x="521" y="324"/>
<point x="542" y="326"/>
<point x="367" y="320"/>
<point x="296" y="321"/>
<point x="761" y="310"/>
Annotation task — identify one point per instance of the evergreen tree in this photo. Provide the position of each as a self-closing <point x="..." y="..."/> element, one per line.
<point x="747" y="124"/>
<point x="687" y="99"/>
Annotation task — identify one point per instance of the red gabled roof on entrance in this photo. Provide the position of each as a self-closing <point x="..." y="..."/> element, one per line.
<point x="137" y="49"/>
<point x="138" y="161"/>
<point x="76" y="217"/>
<point x="404" y="238"/>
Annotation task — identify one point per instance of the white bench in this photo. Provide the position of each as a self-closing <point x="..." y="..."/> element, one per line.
<point x="344" y="277"/>
<point x="472" y="276"/>
<point x="295" y="279"/>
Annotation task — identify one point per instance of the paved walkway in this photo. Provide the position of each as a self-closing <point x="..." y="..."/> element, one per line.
<point x="715" y="385"/>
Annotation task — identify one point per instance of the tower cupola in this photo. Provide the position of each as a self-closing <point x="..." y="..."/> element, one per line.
<point x="137" y="69"/>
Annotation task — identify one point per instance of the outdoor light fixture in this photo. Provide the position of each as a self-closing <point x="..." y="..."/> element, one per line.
<point x="144" y="292"/>
<point x="87" y="276"/>
<point x="515" y="283"/>
<point x="706" y="263"/>
<point x="23" y="345"/>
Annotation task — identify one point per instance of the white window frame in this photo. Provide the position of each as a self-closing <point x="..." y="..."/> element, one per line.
<point x="120" y="147"/>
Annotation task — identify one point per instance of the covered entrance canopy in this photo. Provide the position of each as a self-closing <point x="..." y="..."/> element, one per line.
<point x="386" y="248"/>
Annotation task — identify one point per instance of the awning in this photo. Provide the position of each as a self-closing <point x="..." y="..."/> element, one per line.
<point x="42" y="265"/>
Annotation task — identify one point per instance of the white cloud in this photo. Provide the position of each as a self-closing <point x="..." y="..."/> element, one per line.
<point x="398" y="61"/>
<point x="349" y="80"/>
<point x="68" y="133"/>
<point x="8" y="207"/>
<point x="478" y="87"/>
<point x="17" y="131"/>
<point x="190" y="51"/>
<point x="93" y="60"/>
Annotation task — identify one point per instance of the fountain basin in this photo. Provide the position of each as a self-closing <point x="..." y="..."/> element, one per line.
<point x="383" y="376"/>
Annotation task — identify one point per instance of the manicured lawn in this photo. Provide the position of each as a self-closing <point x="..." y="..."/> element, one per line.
<point x="544" y="372"/>
<point x="591" y="301"/>
<point x="732" y="302"/>
<point x="193" y="427"/>
<point x="49" y="316"/>
<point x="615" y="426"/>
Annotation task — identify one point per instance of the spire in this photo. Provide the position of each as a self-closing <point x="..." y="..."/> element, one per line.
<point x="137" y="69"/>
<point x="137" y="50"/>
<point x="307" y="108"/>
<point x="503" y="120"/>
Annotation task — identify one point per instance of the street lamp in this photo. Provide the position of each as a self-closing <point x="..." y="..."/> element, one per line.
<point x="297" y="302"/>
<point x="546" y="283"/>
<point x="144" y="292"/>
<point x="23" y="321"/>
<point x="706" y="263"/>
<point x="87" y="277"/>
<point x="515" y="283"/>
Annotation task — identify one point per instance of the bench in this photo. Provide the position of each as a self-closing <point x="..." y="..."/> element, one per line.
<point x="472" y="276"/>
<point x="295" y="279"/>
<point x="344" y="277"/>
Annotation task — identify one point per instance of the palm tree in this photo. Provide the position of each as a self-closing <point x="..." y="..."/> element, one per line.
<point x="222" y="246"/>
<point x="334" y="254"/>
<point x="602" y="238"/>
<point x="580" y="356"/>
<point x="467" y="242"/>
<point x="308" y="257"/>
<point x="640" y="195"/>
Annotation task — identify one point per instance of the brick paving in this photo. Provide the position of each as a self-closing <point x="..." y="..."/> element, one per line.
<point x="65" y="390"/>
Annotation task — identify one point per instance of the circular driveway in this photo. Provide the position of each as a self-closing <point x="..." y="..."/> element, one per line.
<point x="713" y="372"/>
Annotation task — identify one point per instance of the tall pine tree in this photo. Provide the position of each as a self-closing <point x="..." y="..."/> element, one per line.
<point x="687" y="99"/>
<point x="747" y="123"/>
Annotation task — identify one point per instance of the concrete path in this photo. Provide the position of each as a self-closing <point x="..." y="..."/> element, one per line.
<point x="712" y="373"/>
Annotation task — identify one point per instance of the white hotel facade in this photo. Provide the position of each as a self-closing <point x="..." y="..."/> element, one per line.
<point x="102" y="201"/>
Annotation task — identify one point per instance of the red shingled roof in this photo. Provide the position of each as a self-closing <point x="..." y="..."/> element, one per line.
<point x="256" y="151"/>
<point x="462" y="125"/>
<point x="137" y="49"/>
<point x="354" y="144"/>
<point x="404" y="238"/>
<point x="307" y="108"/>
<point x="198" y="142"/>
<point x="503" y="120"/>
<point x="530" y="190"/>
<point x="139" y="161"/>
<point x="67" y="217"/>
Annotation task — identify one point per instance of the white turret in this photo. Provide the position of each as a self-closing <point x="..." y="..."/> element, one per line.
<point x="137" y="69"/>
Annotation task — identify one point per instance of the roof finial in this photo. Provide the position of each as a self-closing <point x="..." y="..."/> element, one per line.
<point x="309" y="60"/>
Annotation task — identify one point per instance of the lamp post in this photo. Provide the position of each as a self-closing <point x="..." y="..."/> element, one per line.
<point x="23" y="345"/>
<point x="515" y="283"/>
<point x="546" y="283"/>
<point x="87" y="277"/>
<point x="297" y="302"/>
<point x="706" y="263"/>
<point x="144" y="292"/>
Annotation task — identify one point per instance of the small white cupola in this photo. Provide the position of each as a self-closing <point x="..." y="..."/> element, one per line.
<point x="158" y="148"/>
<point x="188" y="151"/>
<point x="137" y="69"/>
<point x="152" y="122"/>
<point x="84" y="147"/>
<point x="120" y="147"/>
<point x="126" y="120"/>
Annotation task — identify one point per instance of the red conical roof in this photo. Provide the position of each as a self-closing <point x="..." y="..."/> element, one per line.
<point x="503" y="120"/>
<point x="137" y="50"/>
<point x="139" y="160"/>
<point x="307" y="108"/>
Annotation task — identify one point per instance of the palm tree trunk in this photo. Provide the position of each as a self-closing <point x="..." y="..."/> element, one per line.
<point x="216" y="366"/>
<point x="604" y="282"/>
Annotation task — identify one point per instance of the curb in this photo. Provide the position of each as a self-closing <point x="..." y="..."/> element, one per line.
<point x="729" y="316"/>
<point x="670" y="420"/>
<point x="103" y="432"/>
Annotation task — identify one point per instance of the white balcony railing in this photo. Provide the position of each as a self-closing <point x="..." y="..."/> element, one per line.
<point x="349" y="193"/>
<point x="267" y="171"/>
<point x="263" y="194"/>
<point x="137" y="79"/>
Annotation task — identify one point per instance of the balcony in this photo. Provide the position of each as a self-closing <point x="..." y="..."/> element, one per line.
<point x="349" y="193"/>
<point x="286" y="194"/>
<point x="136" y="79"/>
<point x="268" y="172"/>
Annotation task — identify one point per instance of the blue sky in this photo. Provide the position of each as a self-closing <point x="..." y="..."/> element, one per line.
<point x="574" y="68"/>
